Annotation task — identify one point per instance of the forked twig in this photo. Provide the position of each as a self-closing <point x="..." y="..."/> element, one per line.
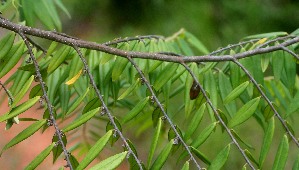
<point x="7" y="92"/>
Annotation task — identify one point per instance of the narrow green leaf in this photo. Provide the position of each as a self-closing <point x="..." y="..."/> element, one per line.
<point x="249" y="155"/>
<point x="136" y="110"/>
<point x="24" y="134"/>
<point x="202" y="137"/>
<point x="23" y="91"/>
<point x="36" y="91"/>
<point x="195" y="122"/>
<point x="129" y="90"/>
<point x="92" y="104"/>
<point x="39" y="158"/>
<point x="236" y="92"/>
<point x="154" y="142"/>
<point x="225" y="88"/>
<point x="162" y="157"/>
<point x="237" y="136"/>
<point x="6" y="44"/>
<point x="77" y="102"/>
<point x="95" y="150"/>
<point x="58" y="58"/>
<point x="267" y="141"/>
<point x="57" y="150"/>
<point x="282" y="154"/>
<point x="74" y="161"/>
<point x="110" y="126"/>
<point x="196" y="43"/>
<point x="19" y="109"/>
<point x="12" y="58"/>
<point x="235" y="74"/>
<point x="119" y="67"/>
<point x="81" y="120"/>
<point x="277" y="64"/>
<point x="62" y="7"/>
<point x="267" y="35"/>
<point x="244" y="113"/>
<point x="211" y="88"/>
<point x="111" y="162"/>
<point x="220" y="159"/>
<point x="296" y="164"/>
<point x="189" y="104"/>
<point x="51" y="48"/>
<point x="200" y="155"/>
<point x="165" y="75"/>
<point x="186" y="166"/>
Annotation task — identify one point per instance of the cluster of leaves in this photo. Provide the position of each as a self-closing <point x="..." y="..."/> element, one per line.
<point x="71" y="93"/>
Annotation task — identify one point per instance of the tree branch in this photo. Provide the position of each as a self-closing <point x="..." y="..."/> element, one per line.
<point x="153" y="56"/>
<point x="7" y="92"/>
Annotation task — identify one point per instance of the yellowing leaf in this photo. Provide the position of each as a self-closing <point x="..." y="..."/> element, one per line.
<point x="74" y="79"/>
<point x="262" y="41"/>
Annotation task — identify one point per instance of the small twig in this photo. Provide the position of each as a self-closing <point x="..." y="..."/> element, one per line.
<point x="11" y="99"/>
<point x="119" y="40"/>
<point x="275" y="40"/>
<point x="218" y="116"/>
<point x="146" y="82"/>
<point x="93" y="84"/>
<point x="290" y="52"/>
<point x="232" y="46"/>
<point x="268" y="101"/>
<point x="36" y="45"/>
<point x="46" y="98"/>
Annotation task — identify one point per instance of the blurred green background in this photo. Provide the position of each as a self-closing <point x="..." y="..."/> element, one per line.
<point x="215" y="22"/>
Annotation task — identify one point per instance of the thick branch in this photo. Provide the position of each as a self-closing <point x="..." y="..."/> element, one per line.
<point x="153" y="56"/>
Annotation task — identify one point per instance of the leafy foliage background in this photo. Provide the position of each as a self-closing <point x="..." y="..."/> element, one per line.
<point x="282" y="91"/>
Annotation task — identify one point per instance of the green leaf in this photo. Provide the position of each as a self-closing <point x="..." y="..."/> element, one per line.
<point x="296" y="164"/>
<point x="162" y="157"/>
<point x="40" y="157"/>
<point x="51" y="48"/>
<point x="220" y="159"/>
<point x="165" y="75"/>
<point x="95" y="150"/>
<point x="19" y="109"/>
<point x="92" y="104"/>
<point x="12" y="58"/>
<point x="236" y="92"/>
<point x="154" y="142"/>
<point x="203" y="136"/>
<point x="186" y="166"/>
<point x="136" y="110"/>
<point x="237" y="136"/>
<point x="225" y="88"/>
<point x="282" y="154"/>
<point x="196" y="43"/>
<point x="211" y="87"/>
<point x="57" y="150"/>
<point x="77" y="102"/>
<point x="249" y="156"/>
<point x="267" y="35"/>
<point x="6" y="44"/>
<point x="277" y="64"/>
<point x="200" y="155"/>
<point x="36" y="91"/>
<point x="110" y="126"/>
<point x="244" y="113"/>
<point x="267" y="141"/>
<point x="58" y="58"/>
<point x="74" y="161"/>
<point x="195" y="122"/>
<point x="189" y="104"/>
<point x="81" y="120"/>
<point x="23" y="91"/>
<point x="129" y="90"/>
<point x="111" y="162"/>
<point x="24" y="134"/>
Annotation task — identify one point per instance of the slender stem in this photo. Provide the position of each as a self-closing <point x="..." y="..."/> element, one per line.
<point x="7" y="92"/>
<point x="93" y="84"/>
<point x="282" y="121"/>
<point x="218" y="116"/>
<point x="118" y="40"/>
<point x="155" y="98"/>
<point x="46" y="98"/>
